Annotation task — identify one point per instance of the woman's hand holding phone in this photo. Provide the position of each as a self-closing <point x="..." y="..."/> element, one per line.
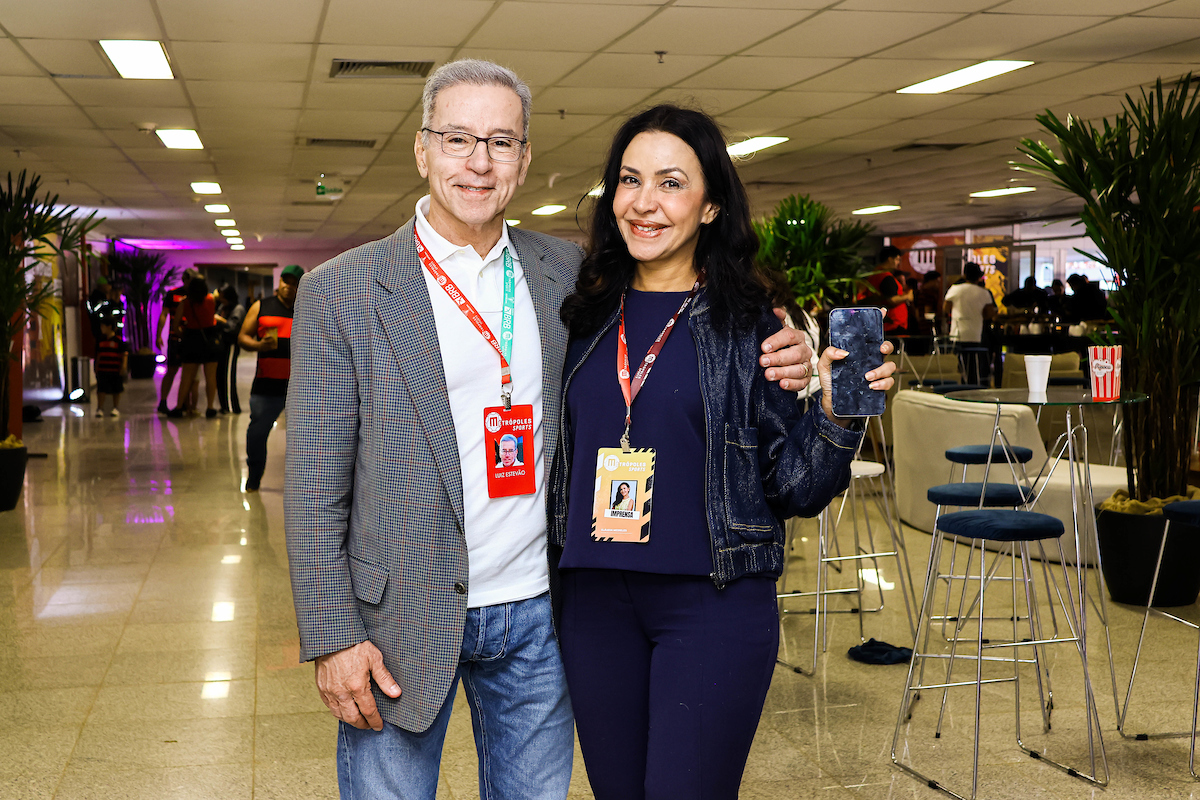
<point x="880" y="378"/>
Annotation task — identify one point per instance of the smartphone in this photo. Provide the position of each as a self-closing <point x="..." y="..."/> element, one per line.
<point x="858" y="331"/>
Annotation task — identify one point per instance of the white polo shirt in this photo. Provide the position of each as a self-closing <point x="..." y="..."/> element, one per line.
<point x="506" y="536"/>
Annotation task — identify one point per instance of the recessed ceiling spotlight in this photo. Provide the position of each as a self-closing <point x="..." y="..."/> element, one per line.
<point x="755" y="144"/>
<point x="217" y="208"/>
<point x="963" y="77"/>
<point x="547" y="210"/>
<point x="180" y="139"/>
<point x="875" y="210"/>
<point x="1005" y="192"/>
<point x="138" y="59"/>
<point x="207" y="187"/>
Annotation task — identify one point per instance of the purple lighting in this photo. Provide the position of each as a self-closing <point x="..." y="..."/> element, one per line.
<point x="166" y="244"/>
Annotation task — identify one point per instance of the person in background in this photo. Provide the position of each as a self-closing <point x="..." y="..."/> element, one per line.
<point x="111" y="365"/>
<point x="233" y="312"/>
<point x="928" y="301"/>
<point x="200" y="346"/>
<point x="267" y="330"/>
<point x="1028" y="298"/>
<point x="1087" y="300"/>
<point x="1056" y="300"/>
<point x="171" y="301"/>
<point x="969" y="305"/>
<point x="893" y="291"/>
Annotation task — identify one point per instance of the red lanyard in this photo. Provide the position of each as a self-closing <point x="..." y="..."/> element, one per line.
<point x="468" y="310"/>
<point x="631" y="387"/>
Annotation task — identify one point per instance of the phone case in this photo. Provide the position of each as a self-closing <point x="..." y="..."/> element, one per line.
<point x="858" y="331"/>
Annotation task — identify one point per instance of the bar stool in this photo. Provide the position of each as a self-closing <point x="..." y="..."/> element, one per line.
<point x="1186" y="512"/>
<point x="1010" y="530"/>
<point x="868" y="480"/>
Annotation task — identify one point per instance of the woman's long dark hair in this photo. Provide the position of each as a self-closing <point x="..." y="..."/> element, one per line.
<point x="738" y="289"/>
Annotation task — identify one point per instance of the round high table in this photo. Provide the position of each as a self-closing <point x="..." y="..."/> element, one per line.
<point x="1073" y="448"/>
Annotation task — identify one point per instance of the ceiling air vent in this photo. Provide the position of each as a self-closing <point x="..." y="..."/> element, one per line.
<point x="353" y="68"/>
<point x="365" y="144"/>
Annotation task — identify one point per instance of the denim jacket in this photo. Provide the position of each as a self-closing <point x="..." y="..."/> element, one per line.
<point x="764" y="461"/>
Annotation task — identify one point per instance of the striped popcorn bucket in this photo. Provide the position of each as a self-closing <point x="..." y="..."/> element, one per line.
<point x="1104" y="364"/>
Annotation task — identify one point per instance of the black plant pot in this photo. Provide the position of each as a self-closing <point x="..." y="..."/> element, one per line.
<point x="1129" y="548"/>
<point x="141" y="365"/>
<point x="12" y="475"/>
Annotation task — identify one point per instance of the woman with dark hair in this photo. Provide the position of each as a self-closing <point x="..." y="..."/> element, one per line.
<point x="233" y="312"/>
<point x="669" y="627"/>
<point x="622" y="501"/>
<point x="201" y="344"/>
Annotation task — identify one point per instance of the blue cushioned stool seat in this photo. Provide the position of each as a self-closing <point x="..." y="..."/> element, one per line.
<point x="978" y="454"/>
<point x="946" y="388"/>
<point x="1185" y="511"/>
<point x="999" y="525"/>
<point x="998" y="495"/>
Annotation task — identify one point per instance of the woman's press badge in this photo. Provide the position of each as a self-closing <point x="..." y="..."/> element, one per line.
<point x="508" y="440"/>
<point x="624" y="491"/>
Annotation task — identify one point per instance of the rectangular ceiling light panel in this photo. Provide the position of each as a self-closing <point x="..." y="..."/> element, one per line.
<point x="180" y="139"/>
<point x="754" y="145"/>
<point x="1004" y="192"/>
<point x="963" y="77"/>
<point x="875" y="210"/>
<point x="137" y="59"/>
<point x="207" y="187"/>
<point x="217" y="208"/>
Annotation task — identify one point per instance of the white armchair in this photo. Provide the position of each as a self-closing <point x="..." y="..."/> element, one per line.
<point x="925" y="425"/>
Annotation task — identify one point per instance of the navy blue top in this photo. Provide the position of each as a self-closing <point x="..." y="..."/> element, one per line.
<point x="668" y="415"/>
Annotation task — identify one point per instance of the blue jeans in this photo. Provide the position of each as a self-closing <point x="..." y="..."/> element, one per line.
<point x="264" y="410"/>
<point x="524" y="732"/>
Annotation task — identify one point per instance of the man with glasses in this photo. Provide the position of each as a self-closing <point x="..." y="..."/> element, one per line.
<point x="414" y="561"/>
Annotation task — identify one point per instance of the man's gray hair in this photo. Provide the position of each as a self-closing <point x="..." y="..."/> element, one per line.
<point x="478" y="73"/>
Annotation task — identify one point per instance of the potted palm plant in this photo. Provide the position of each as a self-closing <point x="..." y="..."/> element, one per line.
<point x="1138" y="175"/>
<point x="818" y="253"/>
<point x="141" y="276"/>
<point x="32" y="229"/>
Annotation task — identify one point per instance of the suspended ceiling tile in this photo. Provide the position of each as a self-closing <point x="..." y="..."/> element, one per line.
<point x="624" y="70"/>
<point x="846" y="34"/>
<point x="760" y="72"/>
<point x="999" y="106"/>
<point x="119" y="92"/>
<point x="269" y="119"/>
<point x="584" y="28"/>
<point x="141" y="149"/>
<point x="1021" y="79"/>
<point x="550" y="124"/>
<point x="49" y="136"/>
<point x="1119" y="38"/>
<point x="985" y="36"/>
<point x="68" y="19"/>
<point x="385" y="22"/>
<point x="31" y="91"/>
<point x="115" y="117"/>
<point x="900" y="106"/>
<point x="240" y="21"/>
<point x="878" y="75"/>
<point x="364" y="96"/>
<point x="819" y="130"/>
<point x="712" y="31"/>
<point x="590" y="101"/>
<point x="913" y="129"/>
<point x="15" y="63"/>
<point x="960" y="6"/>
<point x="1176" y="8"/>
<point x="997" y="130"/>
<point x="535" y="67"/>
<point x="258" y="94"/>
<point x="348" y="124"/>
<point x="752" y="4"/>
<point x="69" y="57"/>
<point x="1073" y="7"/>
<point x="1110" y="78"/>
<point x="240" y="61"/>
<point x="711" y="101"/>
<point x="799" y="104"/>
<point x="49" y="116"/>
<point x="739" y="128"/>
<point x="1188" y="51"/>
<point x="326" y="53"/>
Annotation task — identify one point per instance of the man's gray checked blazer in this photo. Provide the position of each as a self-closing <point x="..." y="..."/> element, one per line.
<point x="373" y="506"/>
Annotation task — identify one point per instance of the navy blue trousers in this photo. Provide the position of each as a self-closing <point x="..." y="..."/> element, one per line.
<point x="668" y="676"/>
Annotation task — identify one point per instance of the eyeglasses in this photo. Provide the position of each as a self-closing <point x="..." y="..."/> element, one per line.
<point x="458" y="144"/>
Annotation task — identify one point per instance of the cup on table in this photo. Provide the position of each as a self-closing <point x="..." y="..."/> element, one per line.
<point x="1037" y="371"/>
<point x="1104" y="365"/>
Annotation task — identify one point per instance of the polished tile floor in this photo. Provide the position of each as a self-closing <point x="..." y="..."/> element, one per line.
<point x="149" y="649"/>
